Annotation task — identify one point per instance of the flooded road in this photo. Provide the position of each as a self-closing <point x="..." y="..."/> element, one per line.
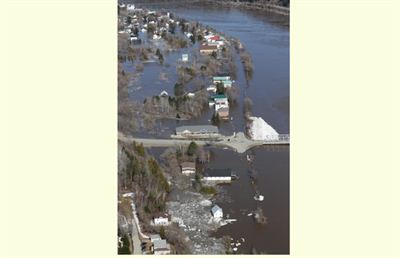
<point x="267" y="40"/>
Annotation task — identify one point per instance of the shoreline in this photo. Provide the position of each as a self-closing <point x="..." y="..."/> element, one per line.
<point x="265" y="7"/>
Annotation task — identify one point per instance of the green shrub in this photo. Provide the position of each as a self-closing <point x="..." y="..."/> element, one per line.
<point x="208" y="190"/>
<point x="192" y="149"/>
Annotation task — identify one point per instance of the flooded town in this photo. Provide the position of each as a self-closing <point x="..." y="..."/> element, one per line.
<point x="203" y="127"/>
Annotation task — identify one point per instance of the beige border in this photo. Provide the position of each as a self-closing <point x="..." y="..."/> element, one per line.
<point x="61" y="130"/>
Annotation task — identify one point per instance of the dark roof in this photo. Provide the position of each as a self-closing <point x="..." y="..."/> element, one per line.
<point x="217" y="172"/>
<point x="188" y="165"/>
<point x="222" y="75"/>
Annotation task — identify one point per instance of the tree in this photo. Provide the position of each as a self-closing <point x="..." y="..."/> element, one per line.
<point x="162" y="232"/>
<point x="192" y="149"/>
<point x="247" y="107"/>
<point x="215" y="120"/>
<point x="124" y="249"/>
<point x="179" y="89"/>
<point x="193" y="39"/>
<point x="220" y="88"/>
<point x="139" y="149"/>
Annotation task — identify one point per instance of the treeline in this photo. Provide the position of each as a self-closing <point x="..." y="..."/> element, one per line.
<point x="141" y="174"/>
<point x="285" y="3"/>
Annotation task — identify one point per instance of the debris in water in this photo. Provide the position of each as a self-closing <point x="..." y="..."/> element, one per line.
<point x="259" y="216"/>
<point x="259" y="197"/>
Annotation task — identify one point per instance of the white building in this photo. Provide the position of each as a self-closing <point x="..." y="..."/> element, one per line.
<point x="185" y="57"/>
<point x="217" y="175"/>
<point x="163" y="94"/>
<point x="130" y="7"/>
<point x="161" y="220"/>
<point x="221" y="101"/>
<point x="188" y="168"/>
<point x="190" y="94"/>
<point x="212" y="88"/>
<point x="217" y="212"/>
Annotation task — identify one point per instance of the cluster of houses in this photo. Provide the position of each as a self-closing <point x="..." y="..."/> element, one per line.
<point x="160" y="246"/>
<point x="220" y="101"/>
<point x="212" y="43"/>
<point x="139" y="20"/>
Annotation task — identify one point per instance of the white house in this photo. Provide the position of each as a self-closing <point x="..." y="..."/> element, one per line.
<point x="190" y="94"/>
<point x="188" y="34"/>
<point x="221" y="101"/>
<point x="162" y="220"/>
<point x="130" y="7"/>
<point x="217" y="212"/>
<point x="188" y="167"/>
<point x="163" y="94"/>
<point x="185" y="57"/>
<point x="212" y="88"/>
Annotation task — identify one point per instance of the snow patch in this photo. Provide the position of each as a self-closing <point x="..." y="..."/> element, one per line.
<point x="205" y="203"/>
<point x="261" y="130"/>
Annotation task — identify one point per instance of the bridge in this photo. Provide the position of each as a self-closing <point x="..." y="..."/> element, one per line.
<point x="238" y="141"/>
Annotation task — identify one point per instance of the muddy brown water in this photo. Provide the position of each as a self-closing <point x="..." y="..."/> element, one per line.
<point x="266" y="38"/>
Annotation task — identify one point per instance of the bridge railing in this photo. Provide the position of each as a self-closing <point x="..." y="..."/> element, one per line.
<point x="279" y="138"/>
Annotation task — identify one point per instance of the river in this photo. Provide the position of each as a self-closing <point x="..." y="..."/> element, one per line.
<point x="266" y="38"/>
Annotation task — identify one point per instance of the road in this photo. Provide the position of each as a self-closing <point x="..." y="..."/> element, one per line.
<point x="238" y="142"/>
<point x="137" y="249"/>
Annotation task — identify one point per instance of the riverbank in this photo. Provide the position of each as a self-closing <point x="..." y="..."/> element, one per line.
<point x="259" y="6"/>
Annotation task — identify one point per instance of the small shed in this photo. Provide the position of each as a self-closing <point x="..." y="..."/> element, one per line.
<point x="161" y="220"/>
<point x="188" y="167"/>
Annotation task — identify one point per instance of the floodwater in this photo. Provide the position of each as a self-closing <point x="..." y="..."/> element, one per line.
<point x="266" y="38"/>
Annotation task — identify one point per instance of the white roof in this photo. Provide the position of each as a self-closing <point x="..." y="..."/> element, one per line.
<point x="155" y="236"/>
<point x="215" y="209"/>
<point x="164" y="93"/>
